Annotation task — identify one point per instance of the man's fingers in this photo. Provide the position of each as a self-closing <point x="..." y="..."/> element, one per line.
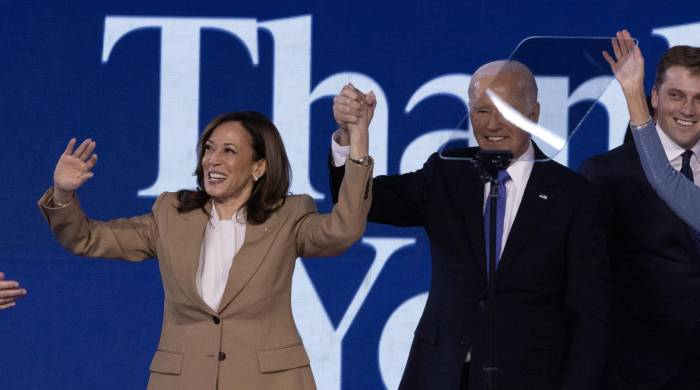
<point x="340" y="115"/>
<point x="616" y="48"/>
<point x="347" y="110"/>
<point x="628" y="40"/>
<point x="370" y="99"/>
<point x="7" y="305"/>
<point x="638" y="53"/>
<point x="608" y="58"/>
<point x="625" y="41"/>
<point x="351" y="92"/>
<point x="621" y="43"/>
<point x="345" y="101"/>
<point x="343" y="117"/>
<point x="346" y="118"/>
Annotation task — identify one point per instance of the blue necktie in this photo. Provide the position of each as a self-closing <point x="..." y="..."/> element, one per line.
<point x="686" y="170"/>
<point x="503" y="177"/>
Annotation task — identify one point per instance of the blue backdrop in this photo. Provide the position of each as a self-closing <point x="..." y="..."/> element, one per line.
<point x="142" y="78"/>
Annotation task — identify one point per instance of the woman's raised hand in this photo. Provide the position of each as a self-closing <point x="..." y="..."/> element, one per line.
<point x="73" y="169"/>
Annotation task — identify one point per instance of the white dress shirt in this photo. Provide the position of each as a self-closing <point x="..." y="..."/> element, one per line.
<point x="674" y="151"/>
<point x="519" y="172"/>
<point x="339" y="153"/>
<point x="222" y="240"/>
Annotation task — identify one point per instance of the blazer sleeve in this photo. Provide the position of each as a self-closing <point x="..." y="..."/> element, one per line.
<point x="680" y="194"/>
<point x="131" y="239"/>
<point x="331" y="234"/>
<point x="398" y="200"/>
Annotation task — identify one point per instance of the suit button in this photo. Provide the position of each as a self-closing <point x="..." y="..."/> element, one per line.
<point x="216" y="320"/>
<point x="482" y="303"/>
<point x="222" y="356"/>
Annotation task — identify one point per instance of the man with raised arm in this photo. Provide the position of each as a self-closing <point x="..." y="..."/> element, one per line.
<point x="654" y="255"/>
<point x="552" y="287"/>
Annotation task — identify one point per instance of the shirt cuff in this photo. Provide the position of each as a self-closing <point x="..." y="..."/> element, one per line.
<point x="340" y="153"/>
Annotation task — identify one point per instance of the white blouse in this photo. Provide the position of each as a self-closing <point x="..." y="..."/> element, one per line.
<point x="223" y="238"/>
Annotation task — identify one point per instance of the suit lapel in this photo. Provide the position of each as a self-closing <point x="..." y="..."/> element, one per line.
<point x="674" y="223"/>
<point x="188" y="234"/>
<point x="258" y="242"/>
<point x="474" y="214"/>
<point x="532" y="213"/>
<point x="468" y="198"/>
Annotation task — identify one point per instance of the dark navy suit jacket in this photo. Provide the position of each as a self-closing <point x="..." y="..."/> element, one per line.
<point x="655" y="268"/>
<point x="552" y="283"/>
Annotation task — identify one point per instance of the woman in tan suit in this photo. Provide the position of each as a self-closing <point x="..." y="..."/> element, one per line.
<point x="226" y="253"/>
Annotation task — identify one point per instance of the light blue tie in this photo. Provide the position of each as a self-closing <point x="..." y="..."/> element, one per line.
<point x="503" y="177"/>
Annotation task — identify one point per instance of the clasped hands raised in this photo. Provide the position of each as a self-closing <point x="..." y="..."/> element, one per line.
<point x="353" y="111"/>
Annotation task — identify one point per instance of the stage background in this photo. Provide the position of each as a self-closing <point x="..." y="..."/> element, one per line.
<point x="142" y="78"/>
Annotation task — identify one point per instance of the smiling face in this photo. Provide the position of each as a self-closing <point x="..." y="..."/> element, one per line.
<point x="677" y="104"/>
<point x="516" y="86"/>
<point x="229" y="164"/>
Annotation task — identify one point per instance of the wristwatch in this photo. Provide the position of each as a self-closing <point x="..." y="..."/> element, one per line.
<point x="364" y="161"/>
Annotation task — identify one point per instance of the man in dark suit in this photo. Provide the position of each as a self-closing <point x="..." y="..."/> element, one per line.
<point x="552" y="285"/>
<point x="655" y="260"/>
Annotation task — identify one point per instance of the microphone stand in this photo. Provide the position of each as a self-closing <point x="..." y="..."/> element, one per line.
<point x="489" y="163"/>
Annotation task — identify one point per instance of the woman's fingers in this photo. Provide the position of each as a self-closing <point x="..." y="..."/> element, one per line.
<point x="74" y="167"/>
<point x="87" y="152"/>
<point x="89" y="164"/>
<point x="12" y="294"/>
<point x="83" y="145"/>
<point x="69" y="147"/>
<point x="7" y="284"/>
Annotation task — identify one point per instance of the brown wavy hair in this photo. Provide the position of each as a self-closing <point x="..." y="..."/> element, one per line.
<point x="685" y="56"/>
<point x="270" y="191"/>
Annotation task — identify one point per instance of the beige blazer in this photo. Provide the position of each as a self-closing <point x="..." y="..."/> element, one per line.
<point x="251" y="343"/>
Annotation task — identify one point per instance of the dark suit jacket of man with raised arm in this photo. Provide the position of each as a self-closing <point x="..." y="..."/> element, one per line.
<point x="655" y="268"/>
<point x="552" y="283"/>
